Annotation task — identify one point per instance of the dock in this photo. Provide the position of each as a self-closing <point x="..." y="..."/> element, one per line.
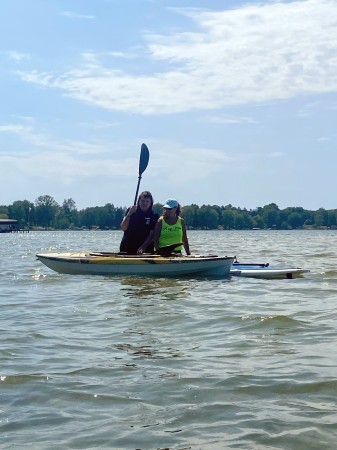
<point x="11" y="226"/>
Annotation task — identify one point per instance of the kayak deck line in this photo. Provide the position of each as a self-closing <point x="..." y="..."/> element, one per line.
<point x="150" y="255"/>
<point x="111" y="258"/>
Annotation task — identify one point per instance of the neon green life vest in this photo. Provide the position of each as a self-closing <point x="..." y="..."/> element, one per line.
<point x="171" y="234"/>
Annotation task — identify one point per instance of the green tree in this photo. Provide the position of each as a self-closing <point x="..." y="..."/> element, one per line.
<point x="107" y="216"/>
<point x="21" y="210"/>
<point x="227" y="219"/>
<point x="271" y="215"/>
<point x="332" y="218"/>
<point x="257" y="221"/>
<point x="46" y="209"/>
<point x="208" y="216"/>
<point x="88" y="217"/>
<point x="242" y="220"/>
<point x="322" y="217"/>
<point x="247" y="220"/>
<point x="3" y="212"/>
<point x="190" y="214"/>
<point x="46" y="212"/>
<point x="318" y="220"/>
<point x="70" y="212"/>
<point x="295" y="220"/>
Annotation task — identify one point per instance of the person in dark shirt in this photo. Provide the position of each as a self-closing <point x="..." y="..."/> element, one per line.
<point x="138" y="225"/>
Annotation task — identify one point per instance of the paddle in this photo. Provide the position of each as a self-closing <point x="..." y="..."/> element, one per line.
<point x="168" y="249"/>
<point x="237" y="263"/>
<point x="143" y="162"/>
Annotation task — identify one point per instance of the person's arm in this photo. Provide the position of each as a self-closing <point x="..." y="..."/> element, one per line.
<point x="185" y="240"/>
<point x="126" y="218"/>
<point x="156" y="235"/>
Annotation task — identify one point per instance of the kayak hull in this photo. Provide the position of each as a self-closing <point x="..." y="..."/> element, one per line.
<point x="266" y="271"/>
<point x="96" y="263"/>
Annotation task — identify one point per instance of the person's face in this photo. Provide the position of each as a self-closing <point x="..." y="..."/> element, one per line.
<point x="170" y="212"/>
<point x="144" y="203"/>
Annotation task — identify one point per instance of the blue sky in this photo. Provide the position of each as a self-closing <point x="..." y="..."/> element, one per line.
<point x="235" y="100"/>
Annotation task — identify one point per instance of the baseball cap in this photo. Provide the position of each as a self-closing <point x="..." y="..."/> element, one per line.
<point x="171" y="203"/>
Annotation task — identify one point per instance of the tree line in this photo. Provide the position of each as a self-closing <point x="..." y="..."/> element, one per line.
<point x="46" y="213"/>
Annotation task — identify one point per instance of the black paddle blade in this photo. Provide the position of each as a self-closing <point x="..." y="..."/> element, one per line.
<point x="168" y="249"/>
<point x="143" y="162"/>
<point x="144" y="158"/>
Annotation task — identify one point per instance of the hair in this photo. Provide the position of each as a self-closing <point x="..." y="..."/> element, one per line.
<point x="145" y="194"/>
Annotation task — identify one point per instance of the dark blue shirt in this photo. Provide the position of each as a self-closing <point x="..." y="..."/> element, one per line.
<point x="140" y="225"/>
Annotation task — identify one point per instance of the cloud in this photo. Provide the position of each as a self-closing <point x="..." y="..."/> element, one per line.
<point x="227" y="119"/>
<point x="60" y="167"/>
<point x="72" y="15"/>
<point x="171" y="160"/>
<point x="39" y="141"/>
<point x="17" y="56"/>
<point x="100" y="125"/>
<point x="66" y="161"/>
<point x="59" y="162"/>
<point x="277" y="154"/>
<point x="256" y="53"/>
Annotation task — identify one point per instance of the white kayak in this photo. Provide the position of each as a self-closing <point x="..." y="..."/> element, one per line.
<point x="101" y="263"/>
<point x="256" y="270"/>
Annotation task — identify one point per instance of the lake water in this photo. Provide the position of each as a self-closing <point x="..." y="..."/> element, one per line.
<point x="195" y="363"/>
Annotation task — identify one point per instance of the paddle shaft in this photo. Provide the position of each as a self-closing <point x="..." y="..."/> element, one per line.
<point x="137" y="190"/>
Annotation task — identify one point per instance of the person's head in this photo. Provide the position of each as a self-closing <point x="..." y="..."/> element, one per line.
<point x="171" y="206"/>
<point x="145" y="201"/>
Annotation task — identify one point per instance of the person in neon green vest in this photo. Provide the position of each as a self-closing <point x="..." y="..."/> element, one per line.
<point x="171" y="228"/>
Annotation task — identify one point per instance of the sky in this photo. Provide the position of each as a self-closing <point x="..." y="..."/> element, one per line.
<point x="236" y="101"/>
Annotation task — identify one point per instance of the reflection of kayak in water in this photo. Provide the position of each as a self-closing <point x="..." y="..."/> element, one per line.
<point x="101" y="263"/>
<point x="256" y="270"/>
